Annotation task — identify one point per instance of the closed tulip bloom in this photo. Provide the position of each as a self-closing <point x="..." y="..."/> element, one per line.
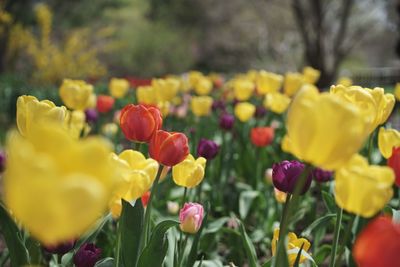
<point x="65" y="183"/>
<point x="166" y="89"/>
<point x="372" y="196"/>
<point x="169" y="148"/>
<point x="378" y="244"/>
<point x="321" y="176"/>
<point x="311" y="75"/>
<point x="190" y="172"/>
<point x="267" y="82"/>
<point x="146" y="95"/>
<point x="244" y="111"/>
<point x="104" y="103"/>
<point x="207" y="149"/>
<point x="118" y="87"/>
<point x="286" y="174"/>
<point x="87" y="255"/>
<point x="243" y="89"/>
<point x="191" y="217"/>
<point x="91" y="115"/>
<point x="276" y="102"/>
<point x="292" y="83"/>
<point x="201" y="105"/>
<point x="394" y="163"/>
<point x="203" y="86"/>
<point x="137" y="175"/>
<point x="327" y="138"/>
<point x="375" y="104"/>
<point x="387" y="140"/>
<point x="76" y="94"/>
<point x="31" y="111"/>
<point x="226" y="121"/>
<point x="262" y="136"/>
<point x="139" y="123"/>
<point x="293" y="247"/>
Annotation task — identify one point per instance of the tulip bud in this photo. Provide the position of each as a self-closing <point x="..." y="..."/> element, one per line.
<point x="104" y="103"/>
<point x="168" y="148"/>
<point x="191" y="217"/>
<point x="91" y="115"/>
<point x="87" y="255"/>
<point x="286" y="174"/>
<point x="226" y="121"/>
<point x="207" y="149"/>
<point x="262" y="136"/>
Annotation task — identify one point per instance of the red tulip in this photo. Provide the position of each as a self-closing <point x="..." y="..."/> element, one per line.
<point x="394" y="163"/>
<point x="168" y="148"/>
<point x="104" y="103"/>
<point x="378" y="245"/>
<point x="262" y="136"/>
<point x="139" y="123"/>
<point x="145" y="198"/>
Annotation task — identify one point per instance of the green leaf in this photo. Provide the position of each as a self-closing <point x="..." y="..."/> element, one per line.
<point x="322" y="253"/>
<point x="248" y="246"/>
<point x="208" y="263"/>
<point x="18" y="253"/>
<point x="154" y="253"/>
<point x="107" y="262"/>
<point x="329" y="202"/>
<point x="268" y="263"/>
<point x="131" y="228"/>
<point x="246" y="199"/>
<point x="318" y="223"/>
<point x="216" y="225"/>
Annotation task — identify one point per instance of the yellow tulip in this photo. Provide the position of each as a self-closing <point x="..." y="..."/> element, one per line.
<point x="387" y="140"/>
<point x="251" y="75"/>
<point x="292" y="83"/>
<point x="375" y="104"/>
<point x="76" y="94"/>
<point x="311" y="75"/>
<point x="201" y="105"/>
<point x="363" y="189"/>
<point x="109" y="129"/>
<point x="138" y="174"/>
<point x="31" y="111"/>
<point x="118" y="87"/>
<point x="194" y="77"/>
<point x="243" y="89"/>
<point x="323" y="129"/>
<point x="293" y="247"/>
<point x="146" y="95"/>
<point x="345" y="81"/>
<point x="280" y="196"/>
<point x="203" y="86"/>
<point x="397" y="91"/>
<point x="166" y="89"/>
<point x="267" y="82"/>
<point x="57" y="186"/>
<point x="276" y="102"/>
<point x="190" y="172"/>
<point x="244" y="111"/>
<point x="77" y="123"/>
<point x="164" y="107"/>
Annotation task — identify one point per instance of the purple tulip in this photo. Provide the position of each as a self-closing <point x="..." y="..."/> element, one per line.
<point x="321" y="176"/>
<point x="260" y="112"/>
<point x="91" y="115"/>
<point x="87" y="255"/>
<point x="207" y="149"/>
<point x="226" y="121"/>
<point x="2" y="161"/>
<point x="61" y="248"/>
<point x="286" y="174"/>
<point x="218" y="104"/>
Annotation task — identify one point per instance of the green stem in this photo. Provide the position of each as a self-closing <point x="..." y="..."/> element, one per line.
<point x="137" y="146"/>
<point x="339" y="215"/>
<point x="345" y="239"/>
<point x="147" y="215"/>
<point x="118" y="253"/>
<point x="182" y="247"/>
<point x="184" y="197"/>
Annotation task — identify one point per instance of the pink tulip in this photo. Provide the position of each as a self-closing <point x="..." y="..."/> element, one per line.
<point x="191" y="217"/>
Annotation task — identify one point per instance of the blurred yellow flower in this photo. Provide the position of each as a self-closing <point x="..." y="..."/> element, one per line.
<point x="118" y="87"/>
<point x="243" y="89"/>
<point x="194" y="77"/>
<point x="64" y="185"/>
<point x="164" y="107"/>
<point x="201" y="105"/>
<point x="77" y="123"/>
<point x="31" y="111"/>
<point x="323" y="129"/>
<point x="292" y="83"/>
<point x="267" y="82"/>
<point x="363" y="189"/>
<point x="203" y="86"/>
<point x="109" y="129"/>
<point x="244" y="111"/>
<point x="165" y="89"/>
<point x="190" y="172"/>
<point x="276" y="102"/>
<point x="76" y="94"/>
<point x="397" y="91"/>
<point x="345" y="81"/>
<point x="293" y="247"/>
<point x="280" y="196"/>
<point x="138" y="174"/>
<point x="146" y="95"/>
<point x="387" y="140"/>
<point x="374" y="103"/>
<point x="311" y="75"/>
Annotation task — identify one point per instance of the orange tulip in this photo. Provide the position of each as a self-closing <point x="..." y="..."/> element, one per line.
<point x="139" y="123"/>
<point x="104" y="103"/>
<point x="262" y="136"/>
<point x="168" y="148"/>
<point x="378" y="244"/>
